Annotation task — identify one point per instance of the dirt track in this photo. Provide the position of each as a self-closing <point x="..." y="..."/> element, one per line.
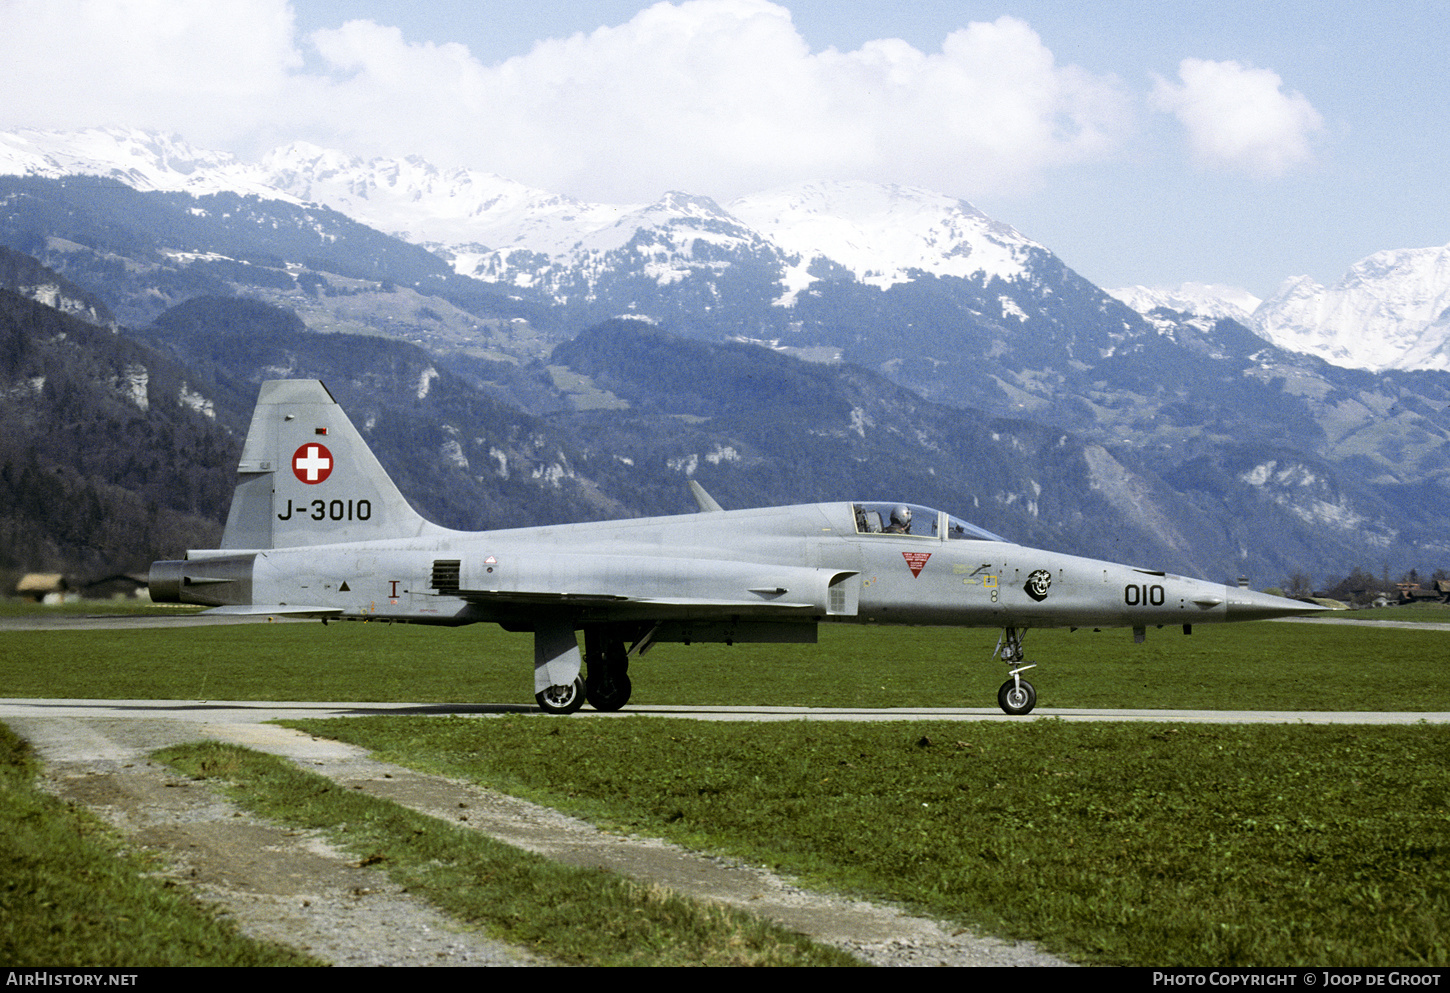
<point x="291" y="886"/>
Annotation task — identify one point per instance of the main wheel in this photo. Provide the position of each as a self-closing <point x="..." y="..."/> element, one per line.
<point x="1017" y="697"/>
<point x="612" y="695"/>
<point x="563" y="699"/>
<point x="606" y="679"/>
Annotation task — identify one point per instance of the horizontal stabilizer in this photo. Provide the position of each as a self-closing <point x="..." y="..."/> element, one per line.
<point x="706" y="501"/>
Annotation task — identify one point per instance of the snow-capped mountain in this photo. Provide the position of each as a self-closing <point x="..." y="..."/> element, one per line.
<point x="905" y="280"/>
<point x="504" y="232"/>
<point x="140" y="159"/>
<point x="416" y="201"/>
<point x="501" y="231"/>
<point x="1388" y="312"/>
<point x="883" y="235"/>
<point x="1213" y="300"/>
<point x="667" y="242"/>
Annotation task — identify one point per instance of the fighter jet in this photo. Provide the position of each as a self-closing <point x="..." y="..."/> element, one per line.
<point x="318" y="529"/>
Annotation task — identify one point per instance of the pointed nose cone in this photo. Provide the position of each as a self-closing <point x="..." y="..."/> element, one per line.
<point x="1246" y="605"/>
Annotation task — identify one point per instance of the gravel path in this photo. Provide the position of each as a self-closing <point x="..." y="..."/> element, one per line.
<point x="291" y="886"/>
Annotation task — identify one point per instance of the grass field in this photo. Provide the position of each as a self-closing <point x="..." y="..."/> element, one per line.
<point x="1124" y="844"/>
<point x="1146" y="844"/>
<point x="71" y="893"/>
<point x="1259" y="666"/>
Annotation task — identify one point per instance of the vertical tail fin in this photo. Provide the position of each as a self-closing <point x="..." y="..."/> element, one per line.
<point x="307" y="477"/>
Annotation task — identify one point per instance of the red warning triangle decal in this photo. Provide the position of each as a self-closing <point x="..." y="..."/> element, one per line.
<point x="916" y="561"/>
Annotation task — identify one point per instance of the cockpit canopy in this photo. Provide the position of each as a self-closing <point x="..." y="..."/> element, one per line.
<point x="916" y="520"/>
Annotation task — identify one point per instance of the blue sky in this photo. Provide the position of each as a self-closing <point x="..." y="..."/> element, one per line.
<point x="1154" y="143"/>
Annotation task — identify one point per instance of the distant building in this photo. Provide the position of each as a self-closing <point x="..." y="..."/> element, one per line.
<point x="1413" y="593"/>
<point x="39" y="585"/>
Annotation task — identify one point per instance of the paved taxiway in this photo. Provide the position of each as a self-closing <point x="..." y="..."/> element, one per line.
<point x="256" y="712"/>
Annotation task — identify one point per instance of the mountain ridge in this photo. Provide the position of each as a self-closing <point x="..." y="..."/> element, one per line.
<point x="1209" y="445"/>
<point x="474" y="216"/>
<point x="1390" y="311"/>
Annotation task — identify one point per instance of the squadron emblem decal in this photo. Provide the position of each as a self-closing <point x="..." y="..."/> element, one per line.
<point x="916" y="561"/>
<point x="1037" y="583"/>
<point x="312" y="463"/>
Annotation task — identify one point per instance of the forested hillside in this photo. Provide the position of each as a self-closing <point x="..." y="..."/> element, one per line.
<point x="101" y="457"/>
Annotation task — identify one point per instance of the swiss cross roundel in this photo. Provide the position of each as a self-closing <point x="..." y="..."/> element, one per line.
<point x="312" y="463"/>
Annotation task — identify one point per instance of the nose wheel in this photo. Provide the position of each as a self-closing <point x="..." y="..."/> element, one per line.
<point x="1017" y="696"/>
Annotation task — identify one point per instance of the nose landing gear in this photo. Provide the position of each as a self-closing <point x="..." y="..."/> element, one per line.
<point x="1017" y="696"/>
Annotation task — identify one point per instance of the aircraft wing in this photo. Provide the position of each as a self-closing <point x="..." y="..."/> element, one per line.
<point x="583" y="599"/>
<point x="277" y="609"/>
<point x="527" y="598"/>
<point x="666" y="588"/>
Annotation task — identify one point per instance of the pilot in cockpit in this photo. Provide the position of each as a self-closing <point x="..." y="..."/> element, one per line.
<point x="900" y="521"/>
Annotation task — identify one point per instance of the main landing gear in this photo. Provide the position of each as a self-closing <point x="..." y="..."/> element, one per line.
<point x="1016" y="697"/>
<point x="564" y="680"/>
<point x="606" y="686"/>
<point x="607" y="663"/>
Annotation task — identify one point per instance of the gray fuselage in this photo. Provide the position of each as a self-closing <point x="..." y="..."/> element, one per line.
<point x="793" y="565"/>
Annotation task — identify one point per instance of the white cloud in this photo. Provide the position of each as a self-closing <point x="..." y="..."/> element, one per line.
<point x="712" y="96"/>
<point x="209" y="68"/>
<point x="724" y="96"/>
<point x="1240" y="117"/>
